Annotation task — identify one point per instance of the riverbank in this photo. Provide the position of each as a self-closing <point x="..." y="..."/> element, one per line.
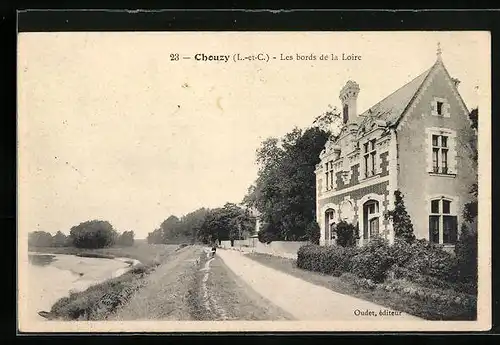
<point x="148" y="254"/>
<point x="98" y="301"/>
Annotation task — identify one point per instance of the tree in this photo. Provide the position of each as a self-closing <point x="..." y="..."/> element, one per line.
<point x="346" y="234"/>
<point x="190" y="224"/>
<point x="60" y="240"/>
<point x="155" y="237"/>
<point x="40" y="239"/>
<point x="471" y="208"/>
<point x="230" y="222"/>
<point x="473" y="116"/>
<point x="93" y="234"/>
<point x="126" y="239"/>
<point x="329" y="121"/>
<point x="466" y="254"/>
<point x="466" y="246"/>
<point x="285" y="190"/>
<point x="401" y="221"/>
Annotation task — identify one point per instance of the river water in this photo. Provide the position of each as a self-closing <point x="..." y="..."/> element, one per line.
<point x="52" y="276"/>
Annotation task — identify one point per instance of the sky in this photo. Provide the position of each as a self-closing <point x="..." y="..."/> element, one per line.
<point x="110" y="128"/>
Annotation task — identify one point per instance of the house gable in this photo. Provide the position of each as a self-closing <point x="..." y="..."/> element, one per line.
<point x="434" y="155"/>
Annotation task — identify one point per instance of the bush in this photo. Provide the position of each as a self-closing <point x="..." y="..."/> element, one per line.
<point x="313" y="232"/>
<point x="346" y="234"/>
<point x="373" y="260"/>
<point x="430" y="259"/>
<point x="425" y="259"/>
<point x="333" y="260"/>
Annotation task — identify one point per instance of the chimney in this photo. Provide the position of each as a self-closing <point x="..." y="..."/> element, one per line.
<point x="456" y="81"/>
<point x="349" y="96"/>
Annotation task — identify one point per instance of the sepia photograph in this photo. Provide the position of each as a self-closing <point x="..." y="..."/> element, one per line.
<point x="254" y="181"/>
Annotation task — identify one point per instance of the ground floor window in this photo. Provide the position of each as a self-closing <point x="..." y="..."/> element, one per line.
<point x="443" y="225"/>
<point x="329" y="224"/>
<point x="371" y="219"/>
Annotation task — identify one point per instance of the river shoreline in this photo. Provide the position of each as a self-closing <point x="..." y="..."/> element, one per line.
<point x="100" y="280"/>
<point x="75" y="274"/>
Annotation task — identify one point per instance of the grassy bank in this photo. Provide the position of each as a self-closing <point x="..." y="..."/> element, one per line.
<point x="101" y="300"/>
<point x="395" y="299"/>
<point x="166" y="291"/>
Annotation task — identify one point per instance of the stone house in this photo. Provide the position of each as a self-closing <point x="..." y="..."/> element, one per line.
<point x="416" y="140"/>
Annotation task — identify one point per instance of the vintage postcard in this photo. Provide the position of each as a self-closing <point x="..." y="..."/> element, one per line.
<point x="254" y="181"/>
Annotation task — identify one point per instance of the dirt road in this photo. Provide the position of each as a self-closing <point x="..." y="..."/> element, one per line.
<point x="303" y="300"/>
<point x="190" y="285"/>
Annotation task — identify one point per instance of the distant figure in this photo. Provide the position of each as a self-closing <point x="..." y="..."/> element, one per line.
<point x="214" y="249"/>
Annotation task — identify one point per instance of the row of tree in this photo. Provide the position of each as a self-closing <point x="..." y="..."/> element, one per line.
<point x="230" y="222"/>
<point x="91" y="234"/>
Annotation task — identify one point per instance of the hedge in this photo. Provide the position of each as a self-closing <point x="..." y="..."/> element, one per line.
<point x="420" y="262"/>
<point x="333" y="260"/>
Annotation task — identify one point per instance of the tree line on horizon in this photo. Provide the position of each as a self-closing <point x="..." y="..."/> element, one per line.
<point x="228" y="223"/>
<point x="90" y="234"/>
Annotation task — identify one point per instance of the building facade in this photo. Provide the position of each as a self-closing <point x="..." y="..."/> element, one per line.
<point x="416" y="140"/>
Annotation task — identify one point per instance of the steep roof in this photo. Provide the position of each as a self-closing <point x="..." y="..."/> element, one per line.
<point x="393" y="106"/>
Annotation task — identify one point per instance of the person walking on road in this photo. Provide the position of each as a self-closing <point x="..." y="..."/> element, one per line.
<point x="214" y="249"/>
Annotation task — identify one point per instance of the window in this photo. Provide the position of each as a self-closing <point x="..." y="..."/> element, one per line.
<point x="329" y="224"/>
<point x="442" y="224"/>
<point x="329" y="175"/>
<point x="439" y="106"/>
<point x="345" y="113"/>
<point x="439" y="154"/>
<point x="370" y="158"/>
<point x="371" y="219"/>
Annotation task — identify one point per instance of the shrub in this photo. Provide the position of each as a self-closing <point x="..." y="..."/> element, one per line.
<point x="373" y="260"/>
<point x="313" y="232"/>
<point x="420" y="279"/>
<point x="430" y="259"/>
<point x="424" y="258"/>
<point x="333" y="260"/>
<point x="403" y="227"/>
<point x="346" y="234"/>
<point x="466" y="255"/>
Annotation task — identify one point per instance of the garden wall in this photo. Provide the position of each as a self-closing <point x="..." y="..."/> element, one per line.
<point x="287" y="249"/>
